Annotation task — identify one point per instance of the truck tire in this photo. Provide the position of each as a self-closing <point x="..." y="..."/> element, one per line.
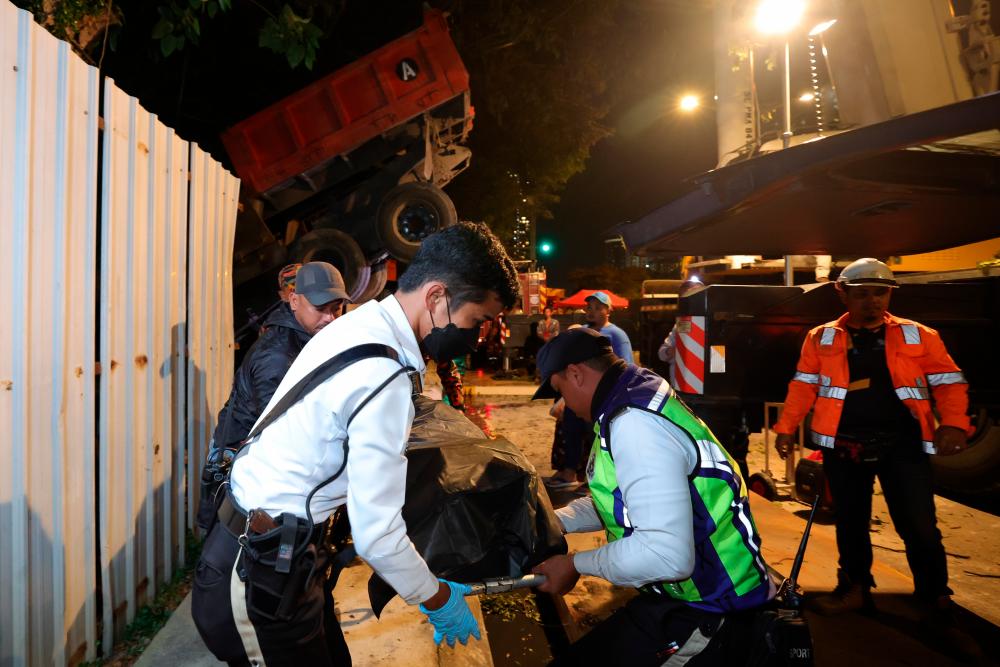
<point x="376" y="282"/>
<point x="977" y="469"/>
<point x="335" y="247"/>
<point x="409" y="213"/>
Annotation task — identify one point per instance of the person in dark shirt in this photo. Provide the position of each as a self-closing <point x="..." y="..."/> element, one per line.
<point x="317" y="297"/>
<point x="870" y="378"/>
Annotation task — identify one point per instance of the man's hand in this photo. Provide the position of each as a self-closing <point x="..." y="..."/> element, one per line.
<point x="451" y="616"/>
<point x="560" y="574"/>
<point x="949" y="440"/>
<point x="784" y="443"/>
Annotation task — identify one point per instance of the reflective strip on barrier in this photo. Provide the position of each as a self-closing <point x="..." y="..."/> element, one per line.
<point x="936" y="379"/>
<point x="839" y="393"/>
<point x="911" y="334"/>
<point x="808" y="378"/>
<point x="829" y="333"/>
<point x="822" y="440"/>
<point x="914" y="393"/>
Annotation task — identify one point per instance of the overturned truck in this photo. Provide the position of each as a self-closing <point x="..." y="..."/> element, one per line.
<point x="350" y="169"/>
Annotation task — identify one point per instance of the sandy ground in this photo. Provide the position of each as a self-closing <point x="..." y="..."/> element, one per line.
<point x="971" y="540"/>
<point x="971" y="537"/>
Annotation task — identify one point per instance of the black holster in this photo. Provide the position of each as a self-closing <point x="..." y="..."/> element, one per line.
<point x="280" y="566"/>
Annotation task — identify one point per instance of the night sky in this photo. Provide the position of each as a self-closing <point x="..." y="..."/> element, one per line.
<point x="655" y="146"/>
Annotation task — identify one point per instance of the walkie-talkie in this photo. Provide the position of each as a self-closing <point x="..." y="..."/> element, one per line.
<point x="789" y="634"/>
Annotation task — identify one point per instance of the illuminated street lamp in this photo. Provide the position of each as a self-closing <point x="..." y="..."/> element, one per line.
<point x="780" y="17"/>
<point x="689" y="103"/>
<point x="807" y="97"/>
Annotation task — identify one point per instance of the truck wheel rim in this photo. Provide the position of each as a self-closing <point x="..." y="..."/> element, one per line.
<point x="416" y="222"/>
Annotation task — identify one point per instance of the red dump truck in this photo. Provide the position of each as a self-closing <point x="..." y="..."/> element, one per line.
<point x="350" y="168"/>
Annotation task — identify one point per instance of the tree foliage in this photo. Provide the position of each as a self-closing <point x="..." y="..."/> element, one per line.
<point x="540" y="77"/>
<point x="290" y="29"/>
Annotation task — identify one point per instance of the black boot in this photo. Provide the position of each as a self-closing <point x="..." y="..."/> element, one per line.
<point x="847" y="596"/>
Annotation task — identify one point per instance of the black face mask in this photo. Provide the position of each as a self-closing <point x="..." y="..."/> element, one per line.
<point x="446" y="343"/>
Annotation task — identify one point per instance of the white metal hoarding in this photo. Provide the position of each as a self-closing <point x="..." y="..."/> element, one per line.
<point x="143" y="298"/>
<point x="212" y="225"/>
<point x="48" y="190"/>
<point x="100" y="449"/>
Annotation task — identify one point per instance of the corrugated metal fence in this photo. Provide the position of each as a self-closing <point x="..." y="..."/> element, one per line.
<point x="115" y="346"/>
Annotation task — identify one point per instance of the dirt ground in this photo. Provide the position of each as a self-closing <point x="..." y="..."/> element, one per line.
<point x="971" y="540"/>
<point x="971" y="537"/>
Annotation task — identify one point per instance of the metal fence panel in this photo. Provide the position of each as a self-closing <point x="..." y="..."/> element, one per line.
<point x="95" y="471"/>
<point x="212" y="224"/>
<point x="48" y="167"/>
<point x="143" y="298"/>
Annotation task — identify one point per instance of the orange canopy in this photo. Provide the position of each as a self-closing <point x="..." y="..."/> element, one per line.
<point x="579" y="300"/>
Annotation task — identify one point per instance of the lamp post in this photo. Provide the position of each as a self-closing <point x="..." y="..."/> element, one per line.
<point x="780" y="17"/>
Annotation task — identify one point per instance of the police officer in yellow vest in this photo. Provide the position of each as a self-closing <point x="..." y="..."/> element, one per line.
<point x="673" y="506"/>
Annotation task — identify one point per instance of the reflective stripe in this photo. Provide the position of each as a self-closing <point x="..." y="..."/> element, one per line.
<point x="929" y="447"/>
<point x="822" y="440"/>
<point x="824" y="380"/>
<point x="238" y="603"/>
<point x="696" y="643"/>
<point x="828" y="335"/>
<point x="914" y="393"/>
<point x="935" y="379"/>
<point x="833" y="392"/>
<point x="911" y="334"/>
<point x="656" y="402"/>
<point x="808" y="378"/>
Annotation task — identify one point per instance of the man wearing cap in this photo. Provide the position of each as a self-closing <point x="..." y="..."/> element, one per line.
<point x="869" y="377"/>
<point x="673" y="506"/>
<point x="316" y="297"/>
<point x="342" y="444"/>
<point x="598" y="313"/>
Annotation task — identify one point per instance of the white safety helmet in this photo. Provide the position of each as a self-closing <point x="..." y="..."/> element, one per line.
<point x="867" y="271"/>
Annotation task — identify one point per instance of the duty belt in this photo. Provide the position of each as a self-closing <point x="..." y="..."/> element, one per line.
<point x="234" y="520"/>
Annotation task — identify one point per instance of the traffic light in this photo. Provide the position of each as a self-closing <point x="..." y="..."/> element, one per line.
<point x="545" y="248"/>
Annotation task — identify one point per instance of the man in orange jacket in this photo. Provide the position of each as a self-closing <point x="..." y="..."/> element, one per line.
<point x="869" y="377"/>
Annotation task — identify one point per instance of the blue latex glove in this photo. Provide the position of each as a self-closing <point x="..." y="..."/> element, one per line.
<point x="453" y="620"/>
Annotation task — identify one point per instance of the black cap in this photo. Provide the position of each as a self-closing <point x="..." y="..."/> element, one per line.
<point x="571" y="347"/>
<point x="320" y="283"/>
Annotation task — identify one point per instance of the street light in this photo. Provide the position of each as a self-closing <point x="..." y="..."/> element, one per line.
<point x="822" y="27"/>
<point x="779" y="17"/>
<point x="689" y="103"/>
<point x="807" y="97"/>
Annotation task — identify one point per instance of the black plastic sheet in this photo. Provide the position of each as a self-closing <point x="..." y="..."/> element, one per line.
<point x="474" y="507"/>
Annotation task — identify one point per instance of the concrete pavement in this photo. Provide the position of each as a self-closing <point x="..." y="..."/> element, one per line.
<point x="402" y="636"/>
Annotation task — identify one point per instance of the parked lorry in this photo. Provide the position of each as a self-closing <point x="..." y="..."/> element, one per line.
<point x="911" y="172"/>
<point x="350" y="169"/>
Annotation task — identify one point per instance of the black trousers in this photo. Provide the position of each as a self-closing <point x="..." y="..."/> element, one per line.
<point x="237" y="635"/>
<point x="641" y="632"/>
<point x="904" y="472"/>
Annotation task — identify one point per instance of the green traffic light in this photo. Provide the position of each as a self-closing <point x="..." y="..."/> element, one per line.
<point x="545" y="248"/>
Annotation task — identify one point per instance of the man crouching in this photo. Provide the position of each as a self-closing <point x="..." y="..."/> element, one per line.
<point x="672" y="503"/>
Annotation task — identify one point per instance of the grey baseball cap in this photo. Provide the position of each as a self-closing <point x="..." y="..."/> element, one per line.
<point x="320" y="283"/>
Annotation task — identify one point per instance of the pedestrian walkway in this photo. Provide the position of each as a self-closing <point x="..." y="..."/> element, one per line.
<point x="402" y="636"/>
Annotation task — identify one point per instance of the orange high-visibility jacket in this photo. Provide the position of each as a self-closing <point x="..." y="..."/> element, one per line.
<point x="919" y="365"/>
